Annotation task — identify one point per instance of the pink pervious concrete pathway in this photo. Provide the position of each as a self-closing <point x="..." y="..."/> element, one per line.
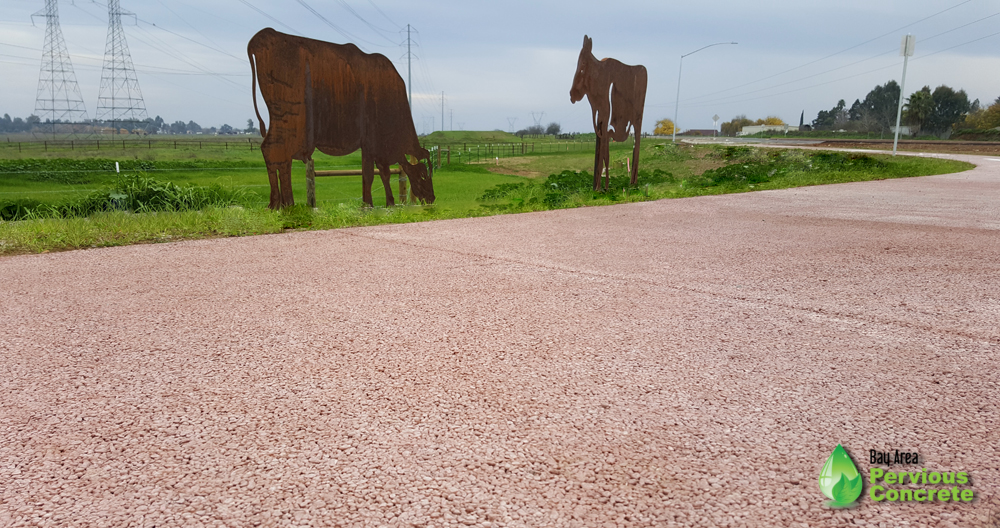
<point x="682" y="362"/>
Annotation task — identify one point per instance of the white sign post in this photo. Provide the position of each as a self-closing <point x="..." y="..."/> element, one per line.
<point x="906" y="50"/>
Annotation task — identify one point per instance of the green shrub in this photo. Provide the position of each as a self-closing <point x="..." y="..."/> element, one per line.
<point x="501" y="191"/>
<point x="739" y="174"/>
<point x="839" y="161"/>
<point x="562" y="187"/>
<point x="136" y="193"/>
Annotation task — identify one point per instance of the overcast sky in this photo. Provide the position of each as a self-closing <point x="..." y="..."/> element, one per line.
<point x="497" y="61"/>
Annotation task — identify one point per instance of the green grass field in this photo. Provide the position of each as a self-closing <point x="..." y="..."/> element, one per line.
<point x="61" y="177"/>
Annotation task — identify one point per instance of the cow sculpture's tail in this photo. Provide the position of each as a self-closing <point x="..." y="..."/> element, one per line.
<point x="253" y="89"/>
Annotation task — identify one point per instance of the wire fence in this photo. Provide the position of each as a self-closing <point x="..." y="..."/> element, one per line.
<point x="482" y="153"/>
<point x="85" y="145"/>
<point x="440" y="154"/>
<point x="443" y="154"/>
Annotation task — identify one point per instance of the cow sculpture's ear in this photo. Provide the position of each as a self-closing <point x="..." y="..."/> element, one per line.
<point x="588" y="43"/>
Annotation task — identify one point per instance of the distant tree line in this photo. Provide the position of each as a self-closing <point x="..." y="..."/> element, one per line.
<point x="939" y="112"/>
<point x="155" y="125"/>
<point x="13" y="126"/>
<point x="554" y="129"/>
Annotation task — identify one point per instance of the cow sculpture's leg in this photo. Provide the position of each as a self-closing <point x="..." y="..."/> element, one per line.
<point x="285" y="177"/>
<point x="367" y="178"/>
<point x="272" y="176"/>
<point x="383" y="170"/>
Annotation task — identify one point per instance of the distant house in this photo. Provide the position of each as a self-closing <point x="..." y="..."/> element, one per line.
<point x="757" y="129"/>
<point x="903" y="130"/>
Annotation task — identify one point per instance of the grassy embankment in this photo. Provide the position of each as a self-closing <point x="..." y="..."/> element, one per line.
<point x="234" y="185"/>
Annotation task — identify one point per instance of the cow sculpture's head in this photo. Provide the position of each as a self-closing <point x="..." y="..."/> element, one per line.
<point x="579" y="88"/>
<point x="419" y="175"/>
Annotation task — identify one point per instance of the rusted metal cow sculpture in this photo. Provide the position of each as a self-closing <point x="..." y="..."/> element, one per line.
<point x="617" y="94"/>
<point x="337" y="99"/>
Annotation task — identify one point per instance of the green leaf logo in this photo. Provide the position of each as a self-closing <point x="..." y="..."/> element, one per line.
<point x="839" y="479"/>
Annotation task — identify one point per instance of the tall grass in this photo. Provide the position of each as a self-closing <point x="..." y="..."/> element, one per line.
<point x="747" y="169"/>
<point x="136" y="193"/>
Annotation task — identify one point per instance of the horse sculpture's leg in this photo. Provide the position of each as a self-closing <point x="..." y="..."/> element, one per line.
<point x="598" y="164"/>
<point x="367" y="178"/>
<point x="635" y="156"/>
<point x="383" y="170"/>
<point x="606" y="149"/>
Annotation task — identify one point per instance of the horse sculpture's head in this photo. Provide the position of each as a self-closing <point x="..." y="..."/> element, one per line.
<point x="579" y="88"/>
<point x="420" y="178"/>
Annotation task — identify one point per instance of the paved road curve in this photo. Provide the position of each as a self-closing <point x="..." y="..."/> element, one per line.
<point x="682" y="362"/>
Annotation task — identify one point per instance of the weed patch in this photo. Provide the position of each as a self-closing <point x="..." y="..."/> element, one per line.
<point x="566" y="186"/>
<point x="135" y="193"/>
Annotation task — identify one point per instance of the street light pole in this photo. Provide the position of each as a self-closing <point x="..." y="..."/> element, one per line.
<point x="906" y="50"/>
<point x="677" y="100"/>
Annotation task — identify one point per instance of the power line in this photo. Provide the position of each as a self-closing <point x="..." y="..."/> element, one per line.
<point x="851" y="76"/>
<point x="164" y="47"/>
<point x="336" y="28"/>
<point x="182" y="19"/>
<point x="271" y="18"/>
<point x="833" y="54"/>
<point x="722" y="100"/>
<point x="960" y="27"/>
<point x="383" y="14"/>
<point x="378" y="30"/>
<point x="171" y="51"/>
<point x="958" y="45"/>
<point x="241" y="59"/>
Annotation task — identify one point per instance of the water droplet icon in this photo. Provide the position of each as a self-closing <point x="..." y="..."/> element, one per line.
<point x="839" y="479"/>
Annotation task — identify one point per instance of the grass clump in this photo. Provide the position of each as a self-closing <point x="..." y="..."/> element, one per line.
<point x="749" y="166"/>
<point x="566" y="187"/>
<point x="136" y="193"/>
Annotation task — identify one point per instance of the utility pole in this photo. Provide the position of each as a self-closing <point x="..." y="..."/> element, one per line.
<point x="537" y="120"/>
<point x="58" y="97"/>
<point x="451" y="119"/>
<point x="119" y="98"/>
<point x="512" y="120"/>
<point x="680" y="68"/>
<point x="906" y="50"/>
<point x="442" y="111"/>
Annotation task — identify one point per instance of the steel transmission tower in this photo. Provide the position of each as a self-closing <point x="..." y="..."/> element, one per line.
<point x="120" y="98"/>
<point x="58" y="95"/>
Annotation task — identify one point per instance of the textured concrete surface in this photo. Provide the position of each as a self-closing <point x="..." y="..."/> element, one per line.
<point x="675" y="363"/>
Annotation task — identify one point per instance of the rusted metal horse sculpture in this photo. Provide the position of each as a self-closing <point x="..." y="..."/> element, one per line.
<point x="617" y="94"/>
<point x="337" y="99"/>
